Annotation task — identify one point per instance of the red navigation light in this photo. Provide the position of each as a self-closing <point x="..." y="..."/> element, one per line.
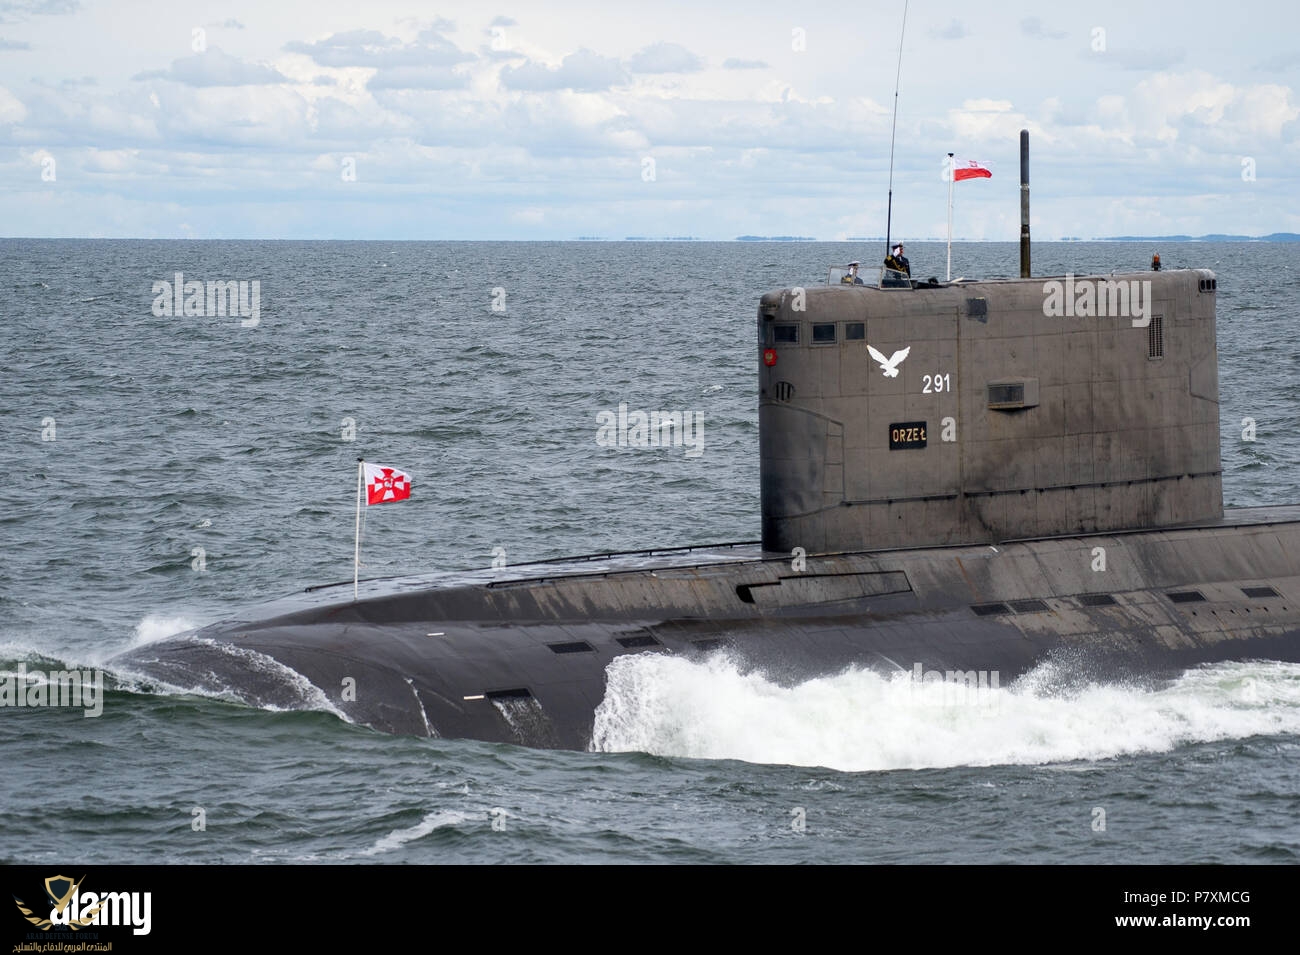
<point x="769" y="357"/>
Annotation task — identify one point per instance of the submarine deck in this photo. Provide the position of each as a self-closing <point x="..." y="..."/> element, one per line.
<point x="702" y="555"/>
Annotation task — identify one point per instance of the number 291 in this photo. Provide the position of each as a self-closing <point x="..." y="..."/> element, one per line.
<point x="935" y="384"/>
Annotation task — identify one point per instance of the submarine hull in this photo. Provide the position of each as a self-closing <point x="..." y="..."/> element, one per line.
<point x="521" y="656"/>
<point x="958" y="482"/>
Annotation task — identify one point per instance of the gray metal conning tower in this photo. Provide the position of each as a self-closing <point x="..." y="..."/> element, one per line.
<point x="994" y="411"/>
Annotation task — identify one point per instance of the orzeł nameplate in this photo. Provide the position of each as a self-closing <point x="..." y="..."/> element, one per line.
<point x="906" y="434"/>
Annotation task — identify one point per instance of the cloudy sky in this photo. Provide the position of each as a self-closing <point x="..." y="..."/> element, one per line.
<point x="554" y="120"/>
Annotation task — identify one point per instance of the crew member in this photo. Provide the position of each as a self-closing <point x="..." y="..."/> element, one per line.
<point x="898" y="262"/>
<point x="852" y="277"/>
<point x="1155" y="262"/>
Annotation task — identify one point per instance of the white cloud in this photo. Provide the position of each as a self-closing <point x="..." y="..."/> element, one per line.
<point x="13" y="11"/>
<point x="582" y="71"/>
<point x="455" y="139"/>
<point x="372" y="48"/>
<point x="11" y="109"/>
<point x="983" y="122"/>
<point x="215" y="68"/>
<point x="665" y="58"/>
<point x="1033" y="26"/>
<point x="417" y="78"/>
<point x="1199" y="109"/>
<point x="113" y="161"/>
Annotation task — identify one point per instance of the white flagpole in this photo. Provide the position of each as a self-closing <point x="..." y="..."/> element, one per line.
<point x="356" y="556"/>
<point x="950" y="175"/>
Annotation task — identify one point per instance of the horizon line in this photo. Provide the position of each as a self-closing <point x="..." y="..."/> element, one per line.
<point x="791" y="240"/>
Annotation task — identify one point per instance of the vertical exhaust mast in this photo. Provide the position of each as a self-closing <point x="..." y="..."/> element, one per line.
<point x="1024" y="203"/>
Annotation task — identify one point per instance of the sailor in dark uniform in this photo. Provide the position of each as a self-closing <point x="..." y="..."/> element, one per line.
<point x="898" y="262"/>
<point x="851" y="277"/>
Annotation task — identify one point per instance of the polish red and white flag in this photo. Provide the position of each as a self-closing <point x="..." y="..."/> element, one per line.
<point x="969" y="169"/>
<point x="384" y="484"/>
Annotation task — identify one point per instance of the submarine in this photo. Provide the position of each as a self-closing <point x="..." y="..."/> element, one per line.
<point x="960" y="480"/>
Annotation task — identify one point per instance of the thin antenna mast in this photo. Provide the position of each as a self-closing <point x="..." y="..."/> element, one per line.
<point x="889" y="212"/>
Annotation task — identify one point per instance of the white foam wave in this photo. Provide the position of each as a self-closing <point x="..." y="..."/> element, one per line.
<point x="434" y="820"/>
<point x="12" y="650"/>
<point x="285" y="689"/>
<point x="151" y="629"/>
<point x="295" y="691"/>
<point x="292" y="691"/>
<point x="157" y="627"/>
<point x="861" y="720"/>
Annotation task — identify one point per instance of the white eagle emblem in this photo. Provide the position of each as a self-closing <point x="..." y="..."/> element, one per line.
<point x="889" y="365"/>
